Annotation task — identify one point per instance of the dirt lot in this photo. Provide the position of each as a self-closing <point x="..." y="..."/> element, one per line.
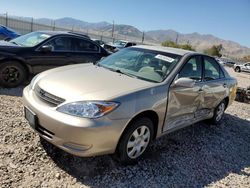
<point x="197" y="156"/>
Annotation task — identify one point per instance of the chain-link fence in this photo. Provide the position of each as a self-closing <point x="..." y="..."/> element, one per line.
<point x="26" y="25"/>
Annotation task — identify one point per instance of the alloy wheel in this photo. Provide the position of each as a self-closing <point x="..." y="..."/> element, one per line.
<point x="138" y="142"/>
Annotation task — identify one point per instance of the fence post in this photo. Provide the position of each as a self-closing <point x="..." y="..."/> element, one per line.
<point x="31" y="24"/>
<point x="143" y="36"/>
<point x="6" y="19"/>
<point x="54" y="25"/>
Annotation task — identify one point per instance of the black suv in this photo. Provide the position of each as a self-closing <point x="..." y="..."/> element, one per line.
<point x="42" y="50"/>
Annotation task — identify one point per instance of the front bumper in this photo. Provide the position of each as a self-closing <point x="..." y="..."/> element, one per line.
<point x="78" y="136"/>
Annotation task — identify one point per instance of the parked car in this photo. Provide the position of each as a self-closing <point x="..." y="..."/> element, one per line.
<point x="126" y="100"/>
<point x="229" y="63"/>
<point x="118" y="44"/>
<point x="7" y="33"/>
<point x="242" y="67"/>
<point x="220" y="61"/>
<point x="39" y="51"/>
<point x="100" y="42"/>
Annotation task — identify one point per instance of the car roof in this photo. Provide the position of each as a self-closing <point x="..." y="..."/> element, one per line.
<point x="177" y="51"/>
<point x="52" y="33"/>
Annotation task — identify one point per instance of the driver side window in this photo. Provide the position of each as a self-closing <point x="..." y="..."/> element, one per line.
<point x="61" y="44"/>
<point x="192" y="69"/>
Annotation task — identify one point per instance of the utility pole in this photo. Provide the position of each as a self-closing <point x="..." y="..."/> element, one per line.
<point x="113" y="30"/>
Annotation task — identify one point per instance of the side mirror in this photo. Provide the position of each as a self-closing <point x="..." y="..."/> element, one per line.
<point x="184" y="82"/>
<point x="46" y="48"/>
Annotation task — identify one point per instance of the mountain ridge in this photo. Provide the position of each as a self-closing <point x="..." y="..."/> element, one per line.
<point x="199" y="41"/>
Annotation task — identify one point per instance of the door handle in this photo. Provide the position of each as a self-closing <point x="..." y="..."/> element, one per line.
<point x="224" y="85"/>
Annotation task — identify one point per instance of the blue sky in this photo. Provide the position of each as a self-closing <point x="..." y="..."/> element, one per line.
<point x="227" y="19"/>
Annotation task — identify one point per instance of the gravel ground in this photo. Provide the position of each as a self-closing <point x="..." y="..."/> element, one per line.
<point x="201" y="155"/>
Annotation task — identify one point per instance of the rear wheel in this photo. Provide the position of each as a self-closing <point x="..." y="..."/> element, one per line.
<point x="237" y="69"/>
<point x="218" y="113"/>
<point x="12" y="74"/>
<point x="135" y="141"/>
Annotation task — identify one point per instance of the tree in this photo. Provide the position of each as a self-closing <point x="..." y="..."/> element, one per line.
<point x="246" y="58"/>
<point x="174" y="45"/>
<point x="215" y="50"/>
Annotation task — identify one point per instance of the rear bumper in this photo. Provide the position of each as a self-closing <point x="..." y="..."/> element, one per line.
<point x="78" y="136"/>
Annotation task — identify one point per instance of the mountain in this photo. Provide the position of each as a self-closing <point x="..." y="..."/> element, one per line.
<point x="201" y="42"/>
<point x="70" y="22"/>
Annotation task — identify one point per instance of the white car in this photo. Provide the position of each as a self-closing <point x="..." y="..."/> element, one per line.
<point x="242" y="67"/>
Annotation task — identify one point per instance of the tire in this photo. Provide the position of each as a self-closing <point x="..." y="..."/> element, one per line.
<point x="237" y="69"/>
<point x="218" y="113"/>
<point x="126" y="154"/>
<point x="12" y="74"/>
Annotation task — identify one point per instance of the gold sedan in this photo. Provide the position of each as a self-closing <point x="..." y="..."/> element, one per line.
<point x="125" y="101"/>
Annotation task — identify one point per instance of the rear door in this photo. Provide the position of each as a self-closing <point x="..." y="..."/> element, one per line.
<point x="85" y="51"/>
<point x="214" y="89"/>
<point x="184" y="102"/>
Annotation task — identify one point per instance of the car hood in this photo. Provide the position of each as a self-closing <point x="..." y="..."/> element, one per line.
<point x="9" y="47"/>
<point x="88" y="82"/>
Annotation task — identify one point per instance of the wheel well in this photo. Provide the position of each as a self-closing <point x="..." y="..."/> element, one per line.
<point x="20" y="62"/>
<point x="152" y="115"/>
<point x="149" y="114"/>
<point x="237" y="67"/>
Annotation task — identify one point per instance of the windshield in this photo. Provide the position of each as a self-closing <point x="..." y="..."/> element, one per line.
<point x="31" y="39"/>
<point x="143" y="64"/>
<point x="119" y="43"/>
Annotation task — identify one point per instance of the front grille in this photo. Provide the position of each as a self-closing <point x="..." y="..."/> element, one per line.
<point x="47" y="97"/>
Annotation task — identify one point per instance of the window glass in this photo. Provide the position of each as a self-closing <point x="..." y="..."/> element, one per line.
<point x="143" y="64"/>
<point x="192" y="69"/>
<point x="84" y="45"/>
<point x="31" y="39"/>
<point x="61" y="44"/>
<point x="212" y="69"/>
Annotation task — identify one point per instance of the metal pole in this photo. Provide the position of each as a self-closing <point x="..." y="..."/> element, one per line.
<point x="54" y="25"/>
<point x="31" y="26"/>
<point x="6" y="19"/>
<point x="142" y="40"/>
<point x="177" y="36"/>
<point x="113" y="30"/>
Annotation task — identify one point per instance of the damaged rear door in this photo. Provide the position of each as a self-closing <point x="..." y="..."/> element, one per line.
<point x="184" y="102"/>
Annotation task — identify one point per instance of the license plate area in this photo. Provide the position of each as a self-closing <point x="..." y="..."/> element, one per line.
<point x="31" y="117"/>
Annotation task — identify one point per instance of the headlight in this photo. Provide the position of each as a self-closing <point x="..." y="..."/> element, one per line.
<point x="88" y="109"/>
<point x="33" y="81"/>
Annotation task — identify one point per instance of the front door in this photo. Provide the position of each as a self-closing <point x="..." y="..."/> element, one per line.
<point x="183" y="102"/>
<point x="59" y="55"/>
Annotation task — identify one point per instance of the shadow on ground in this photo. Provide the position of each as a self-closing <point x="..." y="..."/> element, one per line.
<point x="195" y="156"/>
<point x="12" y="91"/>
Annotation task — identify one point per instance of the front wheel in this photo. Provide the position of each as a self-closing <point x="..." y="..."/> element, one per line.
<point x="135" y="141"/>
<point x="12" y="74"/>
<point x="237" y="69"/>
